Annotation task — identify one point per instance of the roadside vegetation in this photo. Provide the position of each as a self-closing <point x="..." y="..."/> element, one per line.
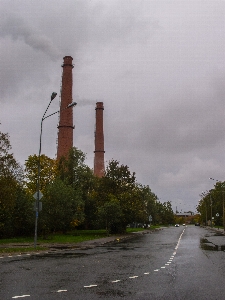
<point x="74" y="200"/>
<point x="212" y="204"/>
<point x="25" y="244"/>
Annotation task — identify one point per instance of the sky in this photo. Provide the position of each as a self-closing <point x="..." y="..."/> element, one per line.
<point x="158" y="66"/>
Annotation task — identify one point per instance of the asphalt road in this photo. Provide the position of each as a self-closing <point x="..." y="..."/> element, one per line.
<point x="169" y="264"/>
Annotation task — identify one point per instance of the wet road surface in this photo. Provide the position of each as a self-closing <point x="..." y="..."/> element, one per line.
<point x="169" y="264"/>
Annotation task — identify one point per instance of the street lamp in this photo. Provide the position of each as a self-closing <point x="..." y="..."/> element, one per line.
<point x="38" y="194"/>
<point x="222" y="186"/>
<point x="206" y="218"/>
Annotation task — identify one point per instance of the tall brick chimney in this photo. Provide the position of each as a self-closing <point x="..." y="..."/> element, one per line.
<point x="65" y="128"/>
<point x="99" y="166"/>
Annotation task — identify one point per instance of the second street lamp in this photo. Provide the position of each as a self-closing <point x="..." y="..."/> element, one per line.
<point x="38" y="194"/>
<point x="202" y="195"/>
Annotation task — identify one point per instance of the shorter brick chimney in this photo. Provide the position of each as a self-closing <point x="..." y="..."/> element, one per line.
<point x="99" y="165"/>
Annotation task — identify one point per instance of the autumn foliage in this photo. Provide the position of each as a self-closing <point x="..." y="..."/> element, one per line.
<point x="72" y="196"/>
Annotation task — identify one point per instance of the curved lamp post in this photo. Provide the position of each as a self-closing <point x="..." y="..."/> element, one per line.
<point x="202" y="195"/>
<point x="38" y="194"/>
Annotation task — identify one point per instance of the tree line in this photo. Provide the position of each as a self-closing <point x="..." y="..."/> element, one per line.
<point x="72" y="196"/>
<point x="211" y="205"/>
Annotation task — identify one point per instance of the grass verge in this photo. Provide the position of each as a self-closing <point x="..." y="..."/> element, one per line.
<point x="20" y="250"/>
<point x="77" y="236"/>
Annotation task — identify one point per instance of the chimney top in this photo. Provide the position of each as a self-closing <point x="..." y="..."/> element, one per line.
<point x="99" y="105"/>
<point x="67" y="57"/>
<point x="67" y="61"/>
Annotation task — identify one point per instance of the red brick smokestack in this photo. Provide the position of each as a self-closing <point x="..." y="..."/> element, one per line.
<point x="65" y="132"/>
<point x="99" y="166"/>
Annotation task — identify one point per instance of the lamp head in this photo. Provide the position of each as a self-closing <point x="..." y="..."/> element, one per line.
<point x="72" y="104"/>
<point x="53" y="95"/>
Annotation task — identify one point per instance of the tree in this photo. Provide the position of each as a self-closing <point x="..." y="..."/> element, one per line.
<point x="9" y="167"/>
<point x="150" y="201"/>
<point x="211" y="204"/>
<point x="118" y="178"/>
<point x="8" y="194"/>
<point x="23" y="213"/>
<point x="48" y="172"/>
<point x="110" y="215"/>
<point x="72" y="168"/>
<point x="119" y="184"/>
<point x="62" y="207"/>
<point x="75" y="173"/>
<point x="11" y="178"/>
<point x="167" y="213"/>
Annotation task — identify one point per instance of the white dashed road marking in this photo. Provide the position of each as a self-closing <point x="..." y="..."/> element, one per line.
<point x="89" y="286"/>
<point x="114" y="281"/>
<point x="23" y="296"/>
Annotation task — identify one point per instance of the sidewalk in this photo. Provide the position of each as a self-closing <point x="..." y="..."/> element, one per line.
<point x="216" y="237"/>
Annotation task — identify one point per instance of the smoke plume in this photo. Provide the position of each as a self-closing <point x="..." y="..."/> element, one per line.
<point x="17" y="29"/>
<point x="85" y="102"/>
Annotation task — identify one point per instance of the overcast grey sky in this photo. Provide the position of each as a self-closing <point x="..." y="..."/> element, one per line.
<point x="158" y="66"/>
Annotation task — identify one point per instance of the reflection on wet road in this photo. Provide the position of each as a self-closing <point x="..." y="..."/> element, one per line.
<point x="169" y="264"/>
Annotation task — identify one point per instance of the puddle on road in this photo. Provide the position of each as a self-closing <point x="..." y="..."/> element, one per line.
<point x="120" y="248"/>
<point x="206" y="245"/>
<point x="218" y="234"/>
<point x="61" y="255"/>
<point x="112" y="293"/>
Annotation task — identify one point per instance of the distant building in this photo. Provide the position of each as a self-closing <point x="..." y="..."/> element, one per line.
<point x="185" y="214"/>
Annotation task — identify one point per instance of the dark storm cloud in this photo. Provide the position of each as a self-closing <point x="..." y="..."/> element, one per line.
<point x="158" y="66"/>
